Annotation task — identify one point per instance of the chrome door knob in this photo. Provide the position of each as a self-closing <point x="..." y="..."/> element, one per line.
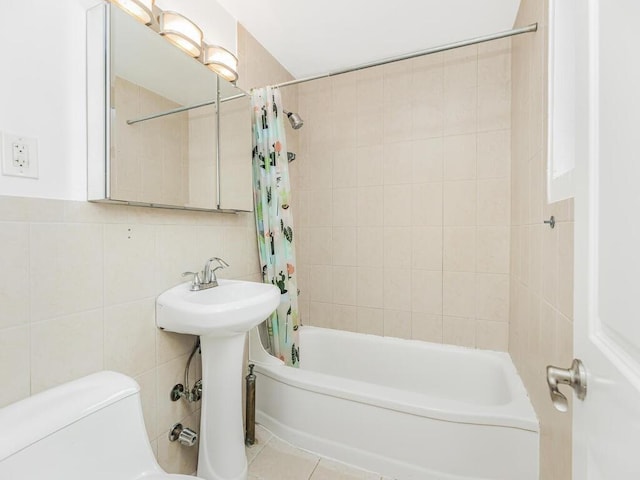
<point x="575" y="377"/>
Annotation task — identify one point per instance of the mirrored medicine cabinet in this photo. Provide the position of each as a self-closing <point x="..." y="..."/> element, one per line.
<point x="163" y="129"/>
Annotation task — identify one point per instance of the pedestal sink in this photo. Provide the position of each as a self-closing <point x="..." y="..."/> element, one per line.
<point x="221" y="316"/>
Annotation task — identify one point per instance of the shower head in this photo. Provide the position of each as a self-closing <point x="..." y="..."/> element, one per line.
<point x="295" y="120"/>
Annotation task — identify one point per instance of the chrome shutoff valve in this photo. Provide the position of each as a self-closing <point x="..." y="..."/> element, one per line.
<point x="185" y="436"/>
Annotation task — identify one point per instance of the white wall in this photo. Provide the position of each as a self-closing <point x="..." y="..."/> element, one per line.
<point x="42" y="92"/>
<point x="42" y="86"/>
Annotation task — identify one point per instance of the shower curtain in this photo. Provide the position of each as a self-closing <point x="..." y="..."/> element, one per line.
<point x="274" y="221"/>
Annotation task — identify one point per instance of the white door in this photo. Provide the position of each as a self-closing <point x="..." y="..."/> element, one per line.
<point x="606" y="425"/>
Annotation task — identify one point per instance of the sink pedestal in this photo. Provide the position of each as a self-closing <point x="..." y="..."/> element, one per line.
<point x="221" y="317"/>
<point x="222" y="454"/>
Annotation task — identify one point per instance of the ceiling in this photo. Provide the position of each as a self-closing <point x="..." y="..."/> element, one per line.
<point x="315" y="37"/>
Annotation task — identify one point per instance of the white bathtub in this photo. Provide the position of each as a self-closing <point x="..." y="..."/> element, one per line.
<point x="403" y="408"/>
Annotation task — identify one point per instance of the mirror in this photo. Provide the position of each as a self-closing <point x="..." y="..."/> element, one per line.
<point x="155" y="129"/>
<point x="236" y="191"/>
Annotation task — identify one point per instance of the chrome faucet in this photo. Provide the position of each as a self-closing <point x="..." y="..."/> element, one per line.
<point x="206" y="278"/>
<point x="210" y="273"/>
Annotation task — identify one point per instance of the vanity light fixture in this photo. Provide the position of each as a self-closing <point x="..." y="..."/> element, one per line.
<point x="181" y="31"/>
<point x="140" y="9"/>
<point x="221" y="61"/>
<point x="184" y="34"/>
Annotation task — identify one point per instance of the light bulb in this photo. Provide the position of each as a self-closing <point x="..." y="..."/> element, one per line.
<point x="221" y="61"/>
<point x="182" y="32"/>
<point x="140" y="9"/>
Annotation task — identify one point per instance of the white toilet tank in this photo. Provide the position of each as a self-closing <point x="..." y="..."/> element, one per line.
<point x="91" y="428"/>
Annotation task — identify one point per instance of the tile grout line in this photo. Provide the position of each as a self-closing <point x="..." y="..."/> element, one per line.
<point x="30" y="306"/>
<point x="314" y="468"/>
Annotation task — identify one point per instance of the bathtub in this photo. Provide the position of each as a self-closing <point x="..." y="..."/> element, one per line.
<point x="402" y="408"/>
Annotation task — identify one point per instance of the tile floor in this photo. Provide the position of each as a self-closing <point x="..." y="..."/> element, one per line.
<point x="273" y="459"/>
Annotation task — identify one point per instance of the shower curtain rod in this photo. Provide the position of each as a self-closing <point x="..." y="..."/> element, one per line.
<point x="441" y="48"/>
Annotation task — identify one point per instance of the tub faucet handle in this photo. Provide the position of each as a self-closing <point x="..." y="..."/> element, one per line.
<point x="575" y="377"/>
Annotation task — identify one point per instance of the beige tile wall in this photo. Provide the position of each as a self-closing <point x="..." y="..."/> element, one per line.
<point x="78" y="296"/>
<point x="403" y="187"/>
<point x="541" y="314"/>
<point x="258" y="68"/>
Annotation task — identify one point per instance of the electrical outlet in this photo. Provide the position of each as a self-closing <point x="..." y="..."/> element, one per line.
<point x="20" y="156"/>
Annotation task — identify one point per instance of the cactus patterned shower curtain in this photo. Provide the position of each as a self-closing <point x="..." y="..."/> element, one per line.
<point x="274" y="222"/>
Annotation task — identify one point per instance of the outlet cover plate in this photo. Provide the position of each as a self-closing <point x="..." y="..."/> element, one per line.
<point x="19" y="156"/>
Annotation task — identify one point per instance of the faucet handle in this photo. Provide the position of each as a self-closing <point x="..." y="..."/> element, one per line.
<point x="210" y="273"/>
<point x="221" y="262"/>
<point x="195" y="280"/>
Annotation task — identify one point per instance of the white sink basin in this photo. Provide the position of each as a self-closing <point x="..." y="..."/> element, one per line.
<point x="221" y="316"/>
<point x="231" y="308"/>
